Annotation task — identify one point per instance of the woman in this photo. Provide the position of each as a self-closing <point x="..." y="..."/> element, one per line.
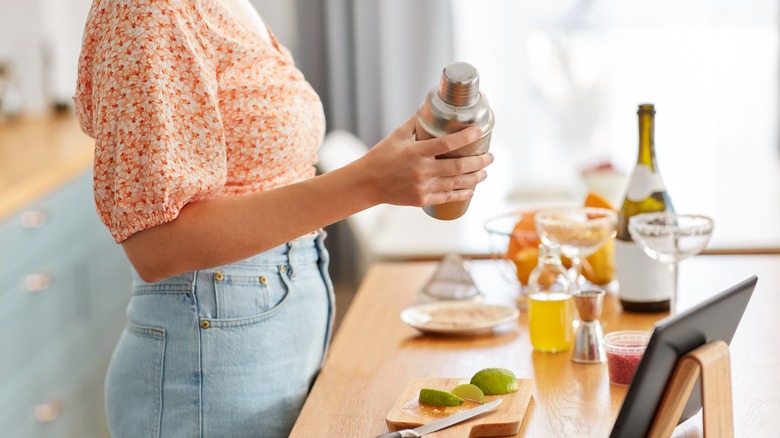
<point x="205" y="145"/>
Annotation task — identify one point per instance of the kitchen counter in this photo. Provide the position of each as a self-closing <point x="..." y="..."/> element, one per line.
<point x="374" y="355"/>
<point x="39" y="154"/>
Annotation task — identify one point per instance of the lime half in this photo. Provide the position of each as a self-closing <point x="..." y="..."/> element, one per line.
<point x="467" y="391"/>
<point x="438" y="398"/>
<point x="494" y="381"/>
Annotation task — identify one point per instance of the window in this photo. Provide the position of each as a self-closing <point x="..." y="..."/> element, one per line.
<point x="565" y="77"/>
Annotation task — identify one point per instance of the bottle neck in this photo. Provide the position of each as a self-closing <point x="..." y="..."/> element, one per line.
<point x="646" y="154"/>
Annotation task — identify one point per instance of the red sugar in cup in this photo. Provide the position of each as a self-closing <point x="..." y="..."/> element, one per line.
<point x="624" y="352"/>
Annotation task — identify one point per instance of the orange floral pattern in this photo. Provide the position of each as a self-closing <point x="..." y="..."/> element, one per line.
<point x="187" y="104"/>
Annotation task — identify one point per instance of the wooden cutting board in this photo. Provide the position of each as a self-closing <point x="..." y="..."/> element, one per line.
<point x="504" y="420"/>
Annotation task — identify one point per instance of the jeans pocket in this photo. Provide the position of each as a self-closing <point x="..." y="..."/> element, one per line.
<point x="134" y="383"/>
<point x="247" y="299"/>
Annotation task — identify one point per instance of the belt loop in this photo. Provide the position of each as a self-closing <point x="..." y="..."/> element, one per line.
<point x="293" y="245"/>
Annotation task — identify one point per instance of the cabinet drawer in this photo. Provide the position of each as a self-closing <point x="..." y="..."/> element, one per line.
<point x="110" y="279"/>
<point x="49" y="400"/>
<point x="110" y="286"/>
<point x="39" y="307"/>
<point x="53" y="220"/>
<point x="57" y="414"/>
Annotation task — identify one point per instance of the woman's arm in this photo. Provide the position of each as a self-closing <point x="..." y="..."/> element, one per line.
<point x="398" y="170"/>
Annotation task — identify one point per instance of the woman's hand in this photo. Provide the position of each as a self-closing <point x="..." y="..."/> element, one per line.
<point x="403" y="171"/>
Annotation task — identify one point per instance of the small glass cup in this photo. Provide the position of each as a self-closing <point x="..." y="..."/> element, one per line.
<point x="624" y="352"/>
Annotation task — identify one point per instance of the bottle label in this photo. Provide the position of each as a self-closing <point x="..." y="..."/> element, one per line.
<point x="642" y="279"/>
<point x="644" y="182"/>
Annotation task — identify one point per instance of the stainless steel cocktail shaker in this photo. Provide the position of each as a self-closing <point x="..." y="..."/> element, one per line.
<point x="456" y="103"/>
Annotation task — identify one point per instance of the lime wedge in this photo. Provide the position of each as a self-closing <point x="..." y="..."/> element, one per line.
<point x="438" y="398"/>
<point x="467" y="391"/>
<point x="494" y="381"/>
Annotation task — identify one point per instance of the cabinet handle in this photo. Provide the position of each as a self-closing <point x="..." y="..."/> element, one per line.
<point x="48" y="412"/>
<point x="33" y="219"/>
<point x="36" y="283"/>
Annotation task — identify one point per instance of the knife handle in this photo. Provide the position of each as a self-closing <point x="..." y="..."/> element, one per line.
<point x="406" y="433"/>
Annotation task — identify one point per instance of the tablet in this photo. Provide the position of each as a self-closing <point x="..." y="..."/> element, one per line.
<point x="715" y="318"/>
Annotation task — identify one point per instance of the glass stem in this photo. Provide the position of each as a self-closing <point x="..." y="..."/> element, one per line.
<point x="576" y="266"/>
<point x="673" y="298"/>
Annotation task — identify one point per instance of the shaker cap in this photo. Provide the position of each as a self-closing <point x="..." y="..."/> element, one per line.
<point x="454" y="103"/>
<point x="459" y="84"/>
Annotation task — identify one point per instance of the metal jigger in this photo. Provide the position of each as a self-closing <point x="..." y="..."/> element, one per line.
<point x="589" y="340"/>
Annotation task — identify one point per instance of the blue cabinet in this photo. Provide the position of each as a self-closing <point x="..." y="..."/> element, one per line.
<point x="64" y="286"/>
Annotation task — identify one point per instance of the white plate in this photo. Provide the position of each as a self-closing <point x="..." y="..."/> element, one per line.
<point x="458" y="317"/>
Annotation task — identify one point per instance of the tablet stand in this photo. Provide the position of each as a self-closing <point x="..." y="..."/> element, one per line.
<point x="711" y="361"/>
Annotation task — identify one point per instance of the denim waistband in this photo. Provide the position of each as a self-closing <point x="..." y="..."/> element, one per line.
<point x="305" y="250"/>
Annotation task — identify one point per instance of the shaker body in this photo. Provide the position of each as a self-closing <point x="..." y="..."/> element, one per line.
<point x="455" y="104"/>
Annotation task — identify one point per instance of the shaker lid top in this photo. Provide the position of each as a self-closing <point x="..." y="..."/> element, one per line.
<point x="459" y="84"/>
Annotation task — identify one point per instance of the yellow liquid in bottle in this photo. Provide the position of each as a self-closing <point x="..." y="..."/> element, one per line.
<point x="550" y="318"/>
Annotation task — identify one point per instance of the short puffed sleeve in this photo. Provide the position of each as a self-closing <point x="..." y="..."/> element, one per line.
<point x="147" y="94"/>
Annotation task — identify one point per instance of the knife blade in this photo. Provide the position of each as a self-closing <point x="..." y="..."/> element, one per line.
<point x="433" y="426"/>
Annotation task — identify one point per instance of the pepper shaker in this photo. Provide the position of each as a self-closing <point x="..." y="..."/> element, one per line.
<point x="589" y="339"/>
<point x="456" y="103"/>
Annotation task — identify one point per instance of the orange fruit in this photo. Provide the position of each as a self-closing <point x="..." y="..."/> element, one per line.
<point x="523" y="246"/>
<point x="599" y="267"/>
<point x="596" y="200"/>
<point x="525" y="260"/>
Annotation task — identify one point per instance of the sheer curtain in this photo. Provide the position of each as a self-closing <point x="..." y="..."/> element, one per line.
<point x="382" y="57"/>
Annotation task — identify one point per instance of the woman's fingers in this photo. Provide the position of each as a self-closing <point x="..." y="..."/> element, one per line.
<point x="464" y="165"/>
<point x="406" y="172"/>
<point x="448" y="143"/>
<point x="459" y="182"/>
<point x="453" y="196"/>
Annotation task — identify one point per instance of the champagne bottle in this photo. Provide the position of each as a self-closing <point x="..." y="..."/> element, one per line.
<point x="645" y="284"/>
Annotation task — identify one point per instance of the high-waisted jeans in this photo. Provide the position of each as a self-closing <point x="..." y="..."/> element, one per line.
<point x="225" y="352"/>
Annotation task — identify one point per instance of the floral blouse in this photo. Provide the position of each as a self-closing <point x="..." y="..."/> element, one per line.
<point x="187" y="104"/>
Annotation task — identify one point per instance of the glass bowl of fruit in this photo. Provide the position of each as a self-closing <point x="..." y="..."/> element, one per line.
<point x="514" y="242"/>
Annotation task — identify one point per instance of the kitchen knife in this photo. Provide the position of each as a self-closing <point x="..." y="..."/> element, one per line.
<point x="441" y="424"/>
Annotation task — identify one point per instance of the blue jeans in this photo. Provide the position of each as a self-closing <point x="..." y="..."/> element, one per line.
<point x="225" y="352"/>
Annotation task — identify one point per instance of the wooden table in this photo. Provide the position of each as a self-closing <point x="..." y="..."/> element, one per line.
<point x="374" y="355"/>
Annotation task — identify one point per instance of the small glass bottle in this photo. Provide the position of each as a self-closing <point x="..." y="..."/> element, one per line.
<point x="550" y="304"/>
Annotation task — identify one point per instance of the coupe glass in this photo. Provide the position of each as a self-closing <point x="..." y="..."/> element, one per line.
<point x="579" y="231"/>
<point x="669" y="238"/>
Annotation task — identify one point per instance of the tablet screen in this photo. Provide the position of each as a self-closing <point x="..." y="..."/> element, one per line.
<point x="715" y="318"/>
